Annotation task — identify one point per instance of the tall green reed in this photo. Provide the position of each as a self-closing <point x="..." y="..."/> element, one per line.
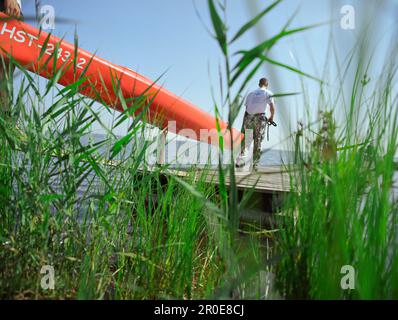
<point x="342" y="208"/>
<point x="111" y="226"/>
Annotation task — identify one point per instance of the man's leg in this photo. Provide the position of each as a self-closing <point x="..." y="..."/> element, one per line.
<point x="258" y="136"/>
<point x="250" y="124"/>
<point x="244" y="127"/>
<point x="256" y="149"/>
<point x="247" y="140"/>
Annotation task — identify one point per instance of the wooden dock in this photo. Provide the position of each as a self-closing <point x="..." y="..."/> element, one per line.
<point x="269" y="179"/>
<point x="267" y="188"/>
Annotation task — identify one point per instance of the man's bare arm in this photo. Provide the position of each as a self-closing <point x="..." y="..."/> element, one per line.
<point x="12" y="8"/>
<point x="272" y="108"/>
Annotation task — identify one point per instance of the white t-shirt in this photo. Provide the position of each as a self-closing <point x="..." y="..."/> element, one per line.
<point x="20" y="4"/>
<point x="257" y="101"/>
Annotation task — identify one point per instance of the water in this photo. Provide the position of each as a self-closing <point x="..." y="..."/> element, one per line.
<point x="184" y="154"/>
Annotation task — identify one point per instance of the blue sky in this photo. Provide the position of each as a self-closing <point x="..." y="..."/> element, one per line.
<point x="153" y="36"/>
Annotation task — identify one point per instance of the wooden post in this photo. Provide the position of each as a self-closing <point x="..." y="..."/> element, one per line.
<point x="161" y="148"/>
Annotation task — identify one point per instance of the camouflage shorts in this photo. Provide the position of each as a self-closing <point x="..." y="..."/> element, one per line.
<point x="257" y="123"/>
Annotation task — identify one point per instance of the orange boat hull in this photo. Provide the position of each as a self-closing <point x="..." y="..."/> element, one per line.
<point x="25" y="44"/>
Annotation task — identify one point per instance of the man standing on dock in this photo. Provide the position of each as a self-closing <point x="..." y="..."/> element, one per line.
<point x="255" y="118"/>
<point x="13" y="9"/>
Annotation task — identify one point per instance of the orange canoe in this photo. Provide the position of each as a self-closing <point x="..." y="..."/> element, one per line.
<point x="25" y="44"/>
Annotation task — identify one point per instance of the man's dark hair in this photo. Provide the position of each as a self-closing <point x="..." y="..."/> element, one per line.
<point x="263" y="82"/>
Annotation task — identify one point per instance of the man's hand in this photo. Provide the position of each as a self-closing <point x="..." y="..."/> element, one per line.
<point x="12" y="8"/>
